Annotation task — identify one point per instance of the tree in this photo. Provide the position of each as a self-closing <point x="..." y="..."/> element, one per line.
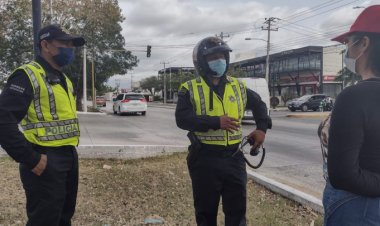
<point x="98" y="21"/>
<point x="158" y="82"/>
<point x="347" y="77"/>
<point x="237" y="72"/>
<point x="151" y="83"/>
<point x="16" y="38"/>
<point x="287" y="96"/>
<point x="180" y="78"/>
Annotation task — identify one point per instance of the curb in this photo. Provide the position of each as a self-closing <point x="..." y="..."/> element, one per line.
<point x="162" y="106"/>
<point x="278" y="109"/>
<point x="287" y="191"/>
<point x="309" y="115"/>
<point x="90" y="113"/>
<point x="127" y="151"/>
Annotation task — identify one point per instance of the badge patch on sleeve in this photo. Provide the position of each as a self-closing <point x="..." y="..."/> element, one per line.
<point x="17" y="88"/>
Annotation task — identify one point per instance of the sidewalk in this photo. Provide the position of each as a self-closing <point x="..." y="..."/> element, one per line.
<point x="162" y="105"/>
<point x="277" y="109"/>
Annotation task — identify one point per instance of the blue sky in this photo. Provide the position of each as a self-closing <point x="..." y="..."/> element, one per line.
<point x="173" y="27"/>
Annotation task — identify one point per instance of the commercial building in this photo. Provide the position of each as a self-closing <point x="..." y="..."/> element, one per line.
<point x="298" y="72"/>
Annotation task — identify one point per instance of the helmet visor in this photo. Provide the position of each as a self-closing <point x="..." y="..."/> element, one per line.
<point x="216" y="49"/>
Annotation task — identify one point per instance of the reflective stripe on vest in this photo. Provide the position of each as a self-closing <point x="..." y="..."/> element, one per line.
<point x="36" y="96"/>
<point x="243" y="93"/>
<point x="29" y="125"/>
<point x="233" y="104"/>
<point x="50" y="92"/>
<point x="46" y="123"/>
<point x="202" y="99"/>
<point x="190" y="87"/>
<point x="237" y="99"/>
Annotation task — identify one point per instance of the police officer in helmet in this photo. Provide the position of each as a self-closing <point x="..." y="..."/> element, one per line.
<point x="40" y="97"/>
<point x="211" y="108"/>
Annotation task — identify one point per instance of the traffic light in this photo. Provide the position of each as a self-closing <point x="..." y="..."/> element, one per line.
<point x="148" y="50"/>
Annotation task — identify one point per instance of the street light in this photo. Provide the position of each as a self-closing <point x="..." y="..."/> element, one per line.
<point x="256" y="39"/>
<point x="267" y="60"/>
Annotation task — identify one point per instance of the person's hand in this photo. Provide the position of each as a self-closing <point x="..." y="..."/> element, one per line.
<point x="41" y="166"/>
<point x="228" y="123"/>
<point x="258" y="136"/>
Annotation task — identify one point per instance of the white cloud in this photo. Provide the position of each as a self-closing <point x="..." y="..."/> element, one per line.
<point x="166" y="23"/>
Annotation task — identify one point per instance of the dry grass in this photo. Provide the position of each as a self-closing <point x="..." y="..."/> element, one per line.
<point x="133" y="190"/>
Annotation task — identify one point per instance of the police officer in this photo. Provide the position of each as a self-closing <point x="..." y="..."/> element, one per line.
<point x="211" y="107"/>
<point x="41" y="96"/>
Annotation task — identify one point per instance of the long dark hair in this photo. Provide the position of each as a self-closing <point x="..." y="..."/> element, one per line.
<point x="374" y="50"/>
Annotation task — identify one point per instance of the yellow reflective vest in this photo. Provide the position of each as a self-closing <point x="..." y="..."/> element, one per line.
<point x="233" y="104"/>
<point x="51" y="119"/>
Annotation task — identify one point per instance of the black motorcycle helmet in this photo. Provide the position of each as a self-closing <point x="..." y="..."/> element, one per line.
<point x="208" y="46"/>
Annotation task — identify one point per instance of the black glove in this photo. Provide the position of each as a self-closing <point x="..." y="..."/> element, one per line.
<point x="254" y="151"/>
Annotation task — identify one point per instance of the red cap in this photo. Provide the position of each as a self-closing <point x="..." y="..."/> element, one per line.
<point x="367" y="21"/>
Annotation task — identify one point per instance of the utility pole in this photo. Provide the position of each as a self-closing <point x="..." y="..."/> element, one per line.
<point x="117" y="84"/>
<point x="36" y="15"/>
<point x="131" y="81"/>
<point x="170" y="83"/>
<point x="84" y="79"/>
<point x="222" y="36"/>
<point x="268" y="28"/>
<point x="164" y="63"/>
<point x="93" y="84"/>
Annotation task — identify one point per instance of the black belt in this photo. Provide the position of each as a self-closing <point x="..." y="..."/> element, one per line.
<point x="232" y="147"/>
<point x="43" y="149"/>
<point x="219" y="150"/>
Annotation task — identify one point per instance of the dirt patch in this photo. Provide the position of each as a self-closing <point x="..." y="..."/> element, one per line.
<point x="131" y="192"/>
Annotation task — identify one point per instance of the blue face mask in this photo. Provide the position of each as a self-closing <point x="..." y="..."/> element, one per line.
<point x="218" y="66"/>
<point x="64" y="57"/>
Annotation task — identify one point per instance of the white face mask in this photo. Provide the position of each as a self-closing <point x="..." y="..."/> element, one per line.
<point x="351" y="62"/>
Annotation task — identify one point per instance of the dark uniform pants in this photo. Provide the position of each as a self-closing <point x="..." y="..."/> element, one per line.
<point x="215" y="174"/>
<point x="51" y="197"/>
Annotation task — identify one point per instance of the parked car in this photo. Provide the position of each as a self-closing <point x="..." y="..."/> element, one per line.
<point x="307" y="102"/>
<point x="130" y="103"/>
<point x="101" y="101"/>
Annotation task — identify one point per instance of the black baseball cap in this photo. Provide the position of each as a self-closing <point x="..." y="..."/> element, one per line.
<point x="55" y="32"/>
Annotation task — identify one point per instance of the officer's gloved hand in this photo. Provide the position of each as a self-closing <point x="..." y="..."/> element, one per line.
<point x="256" y="138"/>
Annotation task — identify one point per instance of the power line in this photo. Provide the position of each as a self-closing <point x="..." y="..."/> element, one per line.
<point x="314" y="8"/>
<point x="303" y="19"/>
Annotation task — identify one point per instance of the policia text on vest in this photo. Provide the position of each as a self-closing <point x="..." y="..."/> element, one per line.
<point x="61" y="130"/>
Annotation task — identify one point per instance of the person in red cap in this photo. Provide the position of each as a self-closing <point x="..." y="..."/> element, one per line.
<point x="352" y="192"/>
<point x="40" y="97"/>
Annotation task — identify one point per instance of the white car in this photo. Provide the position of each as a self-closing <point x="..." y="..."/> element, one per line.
<point x="130" y="103"/>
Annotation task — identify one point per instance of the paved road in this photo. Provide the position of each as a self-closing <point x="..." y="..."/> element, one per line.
<point x="156" y="128"/>
<point x="293" y="152"/>
<point x="294" y="155"/>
